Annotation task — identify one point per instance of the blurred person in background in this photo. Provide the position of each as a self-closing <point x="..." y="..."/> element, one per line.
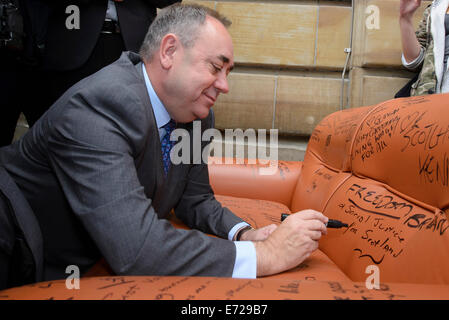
<point x="106" y="28"/>
<point x="67" y="41"/>
<point x="21" y="38"/>
<point x="427" y="49"/>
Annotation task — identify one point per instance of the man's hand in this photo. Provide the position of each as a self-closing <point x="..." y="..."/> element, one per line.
<point x="258" y="234"/>
<point x="407" y="8"/>
<point x="290" y="243"/>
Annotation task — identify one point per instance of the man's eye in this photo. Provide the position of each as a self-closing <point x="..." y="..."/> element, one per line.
<point x="216" y="68"/>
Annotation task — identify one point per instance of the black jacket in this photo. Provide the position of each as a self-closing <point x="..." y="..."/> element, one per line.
<point x="68" y="49"/>
<point x="21" y="245"/>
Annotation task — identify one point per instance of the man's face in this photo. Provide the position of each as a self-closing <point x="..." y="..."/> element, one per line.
<point x="199" y="74"/>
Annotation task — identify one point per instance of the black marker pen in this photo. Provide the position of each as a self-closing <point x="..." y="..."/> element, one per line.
<point x="330" y="224"/>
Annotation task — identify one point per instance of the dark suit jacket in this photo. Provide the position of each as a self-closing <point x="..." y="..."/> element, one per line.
<point x="91" y="169"/>
<point x="21" y="250"/>
<point x="69" y="49"/>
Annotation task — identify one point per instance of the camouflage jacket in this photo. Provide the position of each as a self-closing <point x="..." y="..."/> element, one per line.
<point x="427" y="81"/>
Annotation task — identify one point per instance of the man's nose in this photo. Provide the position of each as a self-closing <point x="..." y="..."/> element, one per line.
<point x="222" y="83"/>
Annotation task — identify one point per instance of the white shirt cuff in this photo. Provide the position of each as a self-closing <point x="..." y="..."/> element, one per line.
<point x="245" y="260"/>
<point x="236" y="228"/>
<point x="415" y="63"/>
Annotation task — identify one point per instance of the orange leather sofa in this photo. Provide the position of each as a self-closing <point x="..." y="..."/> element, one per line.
<point x="383" y="170"/>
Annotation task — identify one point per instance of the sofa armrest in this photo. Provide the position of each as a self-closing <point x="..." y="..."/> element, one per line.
<point x="246" y="180"/>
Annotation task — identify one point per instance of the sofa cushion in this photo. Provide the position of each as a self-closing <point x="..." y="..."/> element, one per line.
<point x="260" y="213"/>
<point x="384" y="170"/>
<point x="408" y="243"/>
<point x="207" y="288"/>
<point x="410" y="139"/>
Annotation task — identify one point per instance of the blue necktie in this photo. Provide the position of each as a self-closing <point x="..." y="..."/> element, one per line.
<point x="166" y="144"/>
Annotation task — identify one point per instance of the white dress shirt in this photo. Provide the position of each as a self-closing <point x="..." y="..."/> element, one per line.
<point x="111" y="12"/>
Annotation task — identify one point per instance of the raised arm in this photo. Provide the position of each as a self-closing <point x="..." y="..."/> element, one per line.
<point x="411" y="47"/>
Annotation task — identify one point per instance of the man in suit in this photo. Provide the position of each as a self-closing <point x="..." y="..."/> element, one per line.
<point x="92" y="170"/>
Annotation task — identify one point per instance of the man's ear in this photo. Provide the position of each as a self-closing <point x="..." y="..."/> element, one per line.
<point x="170" y="44"/>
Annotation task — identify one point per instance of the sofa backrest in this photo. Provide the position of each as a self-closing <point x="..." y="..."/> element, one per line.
<point x="383" y="170"/>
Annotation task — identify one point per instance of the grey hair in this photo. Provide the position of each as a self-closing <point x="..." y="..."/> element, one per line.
<point x="183" y="20"/>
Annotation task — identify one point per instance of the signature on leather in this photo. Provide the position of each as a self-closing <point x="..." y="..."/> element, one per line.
<point x="369" y="256"/>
